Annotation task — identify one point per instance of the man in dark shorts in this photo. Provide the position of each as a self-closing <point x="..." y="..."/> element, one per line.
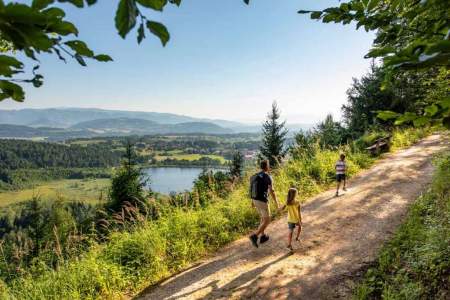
<point x="260" y="200"/>
<point x="341" y="168"/>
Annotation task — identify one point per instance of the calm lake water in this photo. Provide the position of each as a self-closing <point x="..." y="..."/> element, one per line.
<point x="170" y="179"/>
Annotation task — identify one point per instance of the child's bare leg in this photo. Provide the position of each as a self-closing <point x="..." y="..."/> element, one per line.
<point x="290" y="238"/>
<point x="345" y="183"/>
<point x="337" y="187"/>
<point x="299" y="230"/>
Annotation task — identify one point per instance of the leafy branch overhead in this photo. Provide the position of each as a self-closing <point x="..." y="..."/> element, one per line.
<point x="410" y="35"/>
<point x="41" y="27"/>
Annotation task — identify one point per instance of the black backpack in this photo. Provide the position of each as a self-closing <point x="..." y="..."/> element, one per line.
<point x="256" y="187"/>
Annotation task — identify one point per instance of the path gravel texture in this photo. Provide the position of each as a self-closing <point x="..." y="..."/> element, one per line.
<point x="341" y="238"/>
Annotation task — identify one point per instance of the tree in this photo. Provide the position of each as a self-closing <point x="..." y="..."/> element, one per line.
<point x="406" y="92"/>
<point x="237" y="165"/>
<point x="329" y="133"/>
<point x="274" y="137"/>
<point x="30" y="29"/>
<point x="410" y="35"/>
<point x="304" y="147"/>
<point x="127" y="184"/>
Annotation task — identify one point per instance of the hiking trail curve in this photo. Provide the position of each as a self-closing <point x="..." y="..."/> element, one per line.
<point x="341" y="238"/>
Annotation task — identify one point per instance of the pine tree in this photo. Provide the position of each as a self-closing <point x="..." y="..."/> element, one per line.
<point x="127" y="185"/>
<point x="237" y="165"/>
<point x="274" y="135"/>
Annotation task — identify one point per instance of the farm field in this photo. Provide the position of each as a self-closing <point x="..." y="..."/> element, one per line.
<point x="86" y="190"/>
<point x="179" y="155"/>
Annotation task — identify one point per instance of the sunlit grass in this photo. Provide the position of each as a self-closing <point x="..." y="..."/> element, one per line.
<point x="85" y="190"/>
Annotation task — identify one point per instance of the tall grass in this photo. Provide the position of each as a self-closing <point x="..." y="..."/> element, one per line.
<point x="415" y="264"/>
<point x="128" y="261"/>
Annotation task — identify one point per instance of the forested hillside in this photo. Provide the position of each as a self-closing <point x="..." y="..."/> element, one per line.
<point x="16" y="154"/>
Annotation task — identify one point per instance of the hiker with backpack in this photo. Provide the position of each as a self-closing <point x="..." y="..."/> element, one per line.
<point x="261" y="185"/>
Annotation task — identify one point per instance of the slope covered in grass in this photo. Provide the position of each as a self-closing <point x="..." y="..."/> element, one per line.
<point x="415" y="264"/>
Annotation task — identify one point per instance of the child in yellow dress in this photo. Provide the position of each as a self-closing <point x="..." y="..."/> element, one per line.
<point x="294" y="216"/>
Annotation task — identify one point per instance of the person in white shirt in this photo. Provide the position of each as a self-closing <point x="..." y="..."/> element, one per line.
<point x="341" y="168"/>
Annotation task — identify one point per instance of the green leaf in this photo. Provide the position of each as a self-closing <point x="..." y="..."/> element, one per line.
<point x="9" y="66"/>
<point x="372" y="4"/>
<point x="77" y="3"/>
<point x="178" y="2"/>
<point x="11" y="90"/>
<point x="54" y="12"/>
<point x="316" y="15"/>
<point x="445" y="103"/>
<point x="80" y="48"/>
<point x="63" y="28"/>
<point x="40" y="4"/>
<point x="141" y="33"/>
<point x="431" y="110"/>
<point x="406" y="117"/>
<point x="159" y="30"/>
<point x="153" y="4"/>
<point x="421" y="121"/>
<point x="126" y="17"/>
<point x="387" y="115"/>
<point x="80" y="60"/>
<point x="103" y="57"/>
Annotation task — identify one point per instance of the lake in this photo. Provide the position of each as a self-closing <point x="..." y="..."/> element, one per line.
<point x="171" y="179"/>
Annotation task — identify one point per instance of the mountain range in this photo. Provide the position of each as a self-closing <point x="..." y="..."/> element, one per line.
<point x="63" y="123"/>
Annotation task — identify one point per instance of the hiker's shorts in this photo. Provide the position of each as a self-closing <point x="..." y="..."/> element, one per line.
<point x="291" y="226"/>
<point x="262" y="208"/>
<point x="340" y="177"/>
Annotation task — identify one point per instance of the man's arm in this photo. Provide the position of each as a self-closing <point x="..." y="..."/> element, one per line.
<point x="274" y="196"/>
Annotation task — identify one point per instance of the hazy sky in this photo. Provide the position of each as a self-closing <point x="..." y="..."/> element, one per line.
<point x="224" y="60"/>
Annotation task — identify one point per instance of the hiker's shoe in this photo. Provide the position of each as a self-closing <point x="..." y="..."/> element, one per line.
<point x="297" y="239"/>
<point x="290" y="248"/>
<point x="264" y="238"/>
<point x="254" y="239"/>
<point x="337" y="194"/>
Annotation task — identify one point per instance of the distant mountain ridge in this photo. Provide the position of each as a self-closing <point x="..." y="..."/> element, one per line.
<point x="67" y="117"/>
<point x="141" y="126"/>
<point x="63" y="123"/>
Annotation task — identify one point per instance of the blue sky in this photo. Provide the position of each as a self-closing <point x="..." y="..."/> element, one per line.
<point x="224" y="60"/>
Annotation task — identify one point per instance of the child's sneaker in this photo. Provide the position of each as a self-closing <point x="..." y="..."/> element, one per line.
<point x="337" y="194"/>
<point x="254" y="239"/>
<point x="345" y="189"/>
<point x="264" y="238"/>
<point x="290" y="248"/>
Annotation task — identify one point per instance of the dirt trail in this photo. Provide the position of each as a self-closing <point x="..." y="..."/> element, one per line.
<point x="341" y="236"/>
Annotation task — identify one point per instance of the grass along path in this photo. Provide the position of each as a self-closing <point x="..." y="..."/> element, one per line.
<point x="341" y="236"/>
<point x="86" y="190"/>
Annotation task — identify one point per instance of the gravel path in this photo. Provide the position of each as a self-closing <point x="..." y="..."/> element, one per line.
<point x="341" y="237"/>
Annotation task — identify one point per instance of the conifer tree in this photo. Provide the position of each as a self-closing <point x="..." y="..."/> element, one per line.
<point x="274" y="136"/>
<point x="237" y="165"/>
<point x="127" y="184"/>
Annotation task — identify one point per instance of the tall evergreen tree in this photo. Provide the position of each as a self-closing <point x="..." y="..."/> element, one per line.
<point x="274" y="135"/>
<point x="127" y="184"/>
<point x="237" y="165"/>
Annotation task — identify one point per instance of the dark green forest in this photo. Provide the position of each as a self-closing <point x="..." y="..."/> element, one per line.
<point x="19" y="154"/>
